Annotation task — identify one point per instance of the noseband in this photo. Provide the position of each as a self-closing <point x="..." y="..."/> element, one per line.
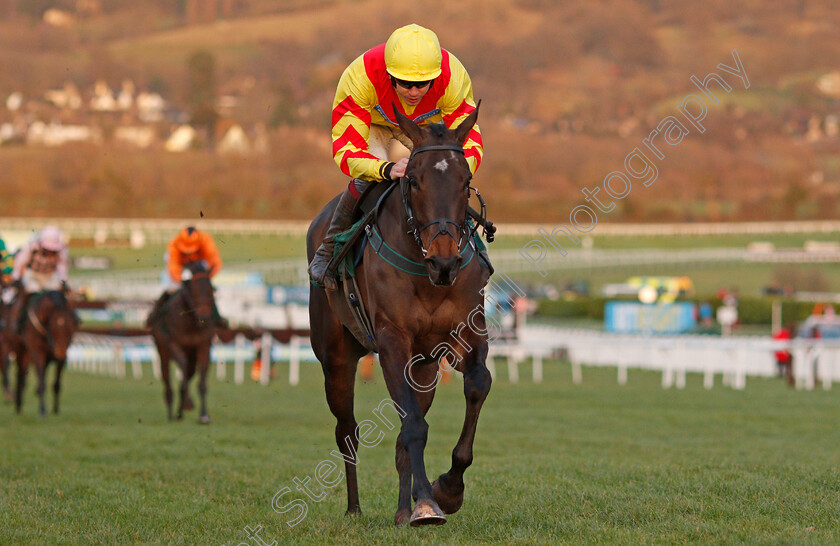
<point x="415" y="229"/>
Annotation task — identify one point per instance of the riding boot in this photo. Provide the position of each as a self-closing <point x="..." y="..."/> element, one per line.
<point x="157" y="310"/>
<point x="322" y="270"/>
<point x="18" y="315"/>
<point x="485" y="259"/>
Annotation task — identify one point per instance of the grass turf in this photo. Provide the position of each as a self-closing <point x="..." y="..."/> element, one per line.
<point x="594" y="463"/>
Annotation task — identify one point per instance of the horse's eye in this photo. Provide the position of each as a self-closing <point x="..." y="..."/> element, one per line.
<point x="412" y="181"/>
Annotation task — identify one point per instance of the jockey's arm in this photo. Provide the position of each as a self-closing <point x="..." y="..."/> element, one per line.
<point x="212" y="256"/>
<point x="21" y="261"/>
<point x="63" y="265"/>
<point x="355" y="98"/>
<point x="457" y="104"/>
<point x="175" y="265"/>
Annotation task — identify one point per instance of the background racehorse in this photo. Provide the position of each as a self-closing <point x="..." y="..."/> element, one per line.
<point x="47" y="333"/>
<point x="414" y="318"/>
<point x="184" y="331"/>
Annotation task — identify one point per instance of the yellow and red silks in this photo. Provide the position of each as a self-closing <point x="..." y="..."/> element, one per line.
<point x="365" y="97"/>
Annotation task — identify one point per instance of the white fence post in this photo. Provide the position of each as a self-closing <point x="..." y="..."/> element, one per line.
<point x="294" y="361"/>
<point x="221" y="366"/>
<point x="239" y="363"/>
<point x="537" y="368"/>
<point x="577" y="374"/>
<point x="513" y="367"/>
<point x="265" y="358"/>
<point x="156" y="365"/>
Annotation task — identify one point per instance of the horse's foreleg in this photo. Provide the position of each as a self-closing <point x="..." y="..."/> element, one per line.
<point x="41" y="369"/>
<point x="22" y="367"/>
<point x="339" y="382"/>
<point x="184" y="364"/>
<point x="4" y="369"/>
<point x="403" y="460"/>
<point x="339" y="353"/>
<point x="202" y="363"/>
<point x="448" y="489"/>
<point x="395" y="356"/>
<point x="165" y="356"/>
<point x="57" y="385"/>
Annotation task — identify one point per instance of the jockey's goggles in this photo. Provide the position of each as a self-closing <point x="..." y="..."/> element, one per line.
<point x="408" y="85"/>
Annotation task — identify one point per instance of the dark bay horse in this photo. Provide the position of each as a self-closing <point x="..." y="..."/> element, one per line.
<point x="184" y="331"/>
<point x="47" y="333"/>
<point x="418" y="319"/>
<point x="6" y="342"/>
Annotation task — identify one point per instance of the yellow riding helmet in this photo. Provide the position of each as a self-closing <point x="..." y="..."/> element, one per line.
<point x="412" y="53"/>
<point x="187" y="241"/>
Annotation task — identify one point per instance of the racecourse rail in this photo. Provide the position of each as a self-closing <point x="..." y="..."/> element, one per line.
<point x="145" y="284"/>
<point x="732" y="358"/>
<point x="157" y="230"/>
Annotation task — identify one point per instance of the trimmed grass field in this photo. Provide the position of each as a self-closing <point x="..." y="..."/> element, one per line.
<point x="555" y="462"/>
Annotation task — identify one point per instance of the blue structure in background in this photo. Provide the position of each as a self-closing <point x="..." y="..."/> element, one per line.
<point x="625" y="317"/>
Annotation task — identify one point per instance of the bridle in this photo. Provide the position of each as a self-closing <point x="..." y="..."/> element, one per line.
<point x="465" y="231"/>
<point x="188" y="297"/>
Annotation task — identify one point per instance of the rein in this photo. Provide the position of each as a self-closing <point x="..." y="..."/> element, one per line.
<point x="36" y="322"/>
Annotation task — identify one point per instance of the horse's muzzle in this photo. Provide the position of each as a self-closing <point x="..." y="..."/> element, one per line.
<point x="442" y="271"/>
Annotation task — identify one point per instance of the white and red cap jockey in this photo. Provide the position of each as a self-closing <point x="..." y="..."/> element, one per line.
<point x="51" y="239"/>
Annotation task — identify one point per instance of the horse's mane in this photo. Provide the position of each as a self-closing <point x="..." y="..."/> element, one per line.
<point x="438" y="129"/>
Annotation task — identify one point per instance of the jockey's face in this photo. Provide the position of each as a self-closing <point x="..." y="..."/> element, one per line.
<point x="414" y="94"/>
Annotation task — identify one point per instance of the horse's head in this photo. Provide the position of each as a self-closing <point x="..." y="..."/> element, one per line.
<point x="61" y="323"/>
<point x="198" y="292"/>
<point x="436" y="193"/>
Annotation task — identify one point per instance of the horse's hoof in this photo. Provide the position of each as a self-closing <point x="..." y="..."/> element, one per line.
<point x="448" y="502"/>
<point x="427" y="512"/>
<point x="204" y="420"/>
<point x="401" y="517"/>
<point x="8" y="396"/>
<point x="355" y="511"/>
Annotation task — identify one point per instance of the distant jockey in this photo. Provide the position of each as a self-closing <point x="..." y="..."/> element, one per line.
<point x="6" y="264"/>
<point x="189" y="246"/>
<point x="42" y="264"/>
<point x="426" y="83"/>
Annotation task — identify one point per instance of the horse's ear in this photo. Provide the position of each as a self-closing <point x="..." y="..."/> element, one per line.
<point x="411" y="129"/>
<point x="466" y="126"/>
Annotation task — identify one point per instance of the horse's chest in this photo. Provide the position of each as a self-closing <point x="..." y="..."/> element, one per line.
<point x="435" y="317"/>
